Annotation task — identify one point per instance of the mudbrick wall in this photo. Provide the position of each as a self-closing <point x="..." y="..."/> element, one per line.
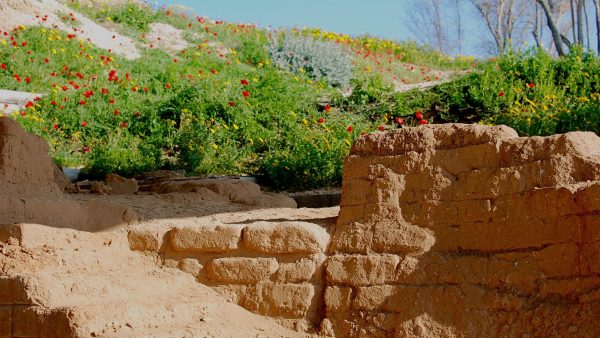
<point x="270" y="268"/>
<point x="443" y="231"/>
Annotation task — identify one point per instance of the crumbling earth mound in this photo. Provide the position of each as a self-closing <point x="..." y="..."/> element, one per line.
<point x="29" y="192"/>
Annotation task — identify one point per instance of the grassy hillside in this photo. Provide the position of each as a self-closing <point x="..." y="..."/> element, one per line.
<point x="285" y="106"/>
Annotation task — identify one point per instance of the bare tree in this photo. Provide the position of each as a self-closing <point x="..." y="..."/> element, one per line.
<point x="580" y="22"/>
<point x="587" y="25"/>
<point x="561" y="42"/>
<point x="597" y="5"/>
<point x="538" y="28"/>
<point x="429" y="21"/>
<point x="572" y="6"/>
<point x="459" y="29"/>
<point x="506" y="20"/>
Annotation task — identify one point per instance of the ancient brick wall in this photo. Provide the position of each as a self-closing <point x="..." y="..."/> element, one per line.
<point x="443" y="231"/>
<point x="470" y="231"/>
<point x="270" y="268"/>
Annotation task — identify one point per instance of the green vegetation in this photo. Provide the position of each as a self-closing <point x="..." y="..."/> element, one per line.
<point x="531" y="92"/>
<point x="224" y="105"/>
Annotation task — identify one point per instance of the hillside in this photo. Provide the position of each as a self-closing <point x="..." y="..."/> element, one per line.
<point x="134" y="89"/>
<point x="122" y="87"/>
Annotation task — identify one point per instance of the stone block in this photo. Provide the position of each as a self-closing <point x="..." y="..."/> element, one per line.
<point x="213" y="239"/>
<point x="191" y="266"/>
<point x="145" y="240"/>
<point x="241" y="270"/>
<point x="286" y="237"/>
<point x="337" y="300"/>
<point x="302" y="270"/>
<point x="281" y="300"/>
<point x="361" y="269"/>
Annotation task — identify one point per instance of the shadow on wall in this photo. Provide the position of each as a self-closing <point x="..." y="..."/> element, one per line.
<point x="92" y="216"/>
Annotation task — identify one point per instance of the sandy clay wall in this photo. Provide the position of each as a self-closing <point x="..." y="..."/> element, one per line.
<point x="467" y="231"/>
<point x="443" y="231"/>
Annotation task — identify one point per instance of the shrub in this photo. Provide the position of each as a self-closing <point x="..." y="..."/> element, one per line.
<point x="530" y="91"/>
<point x="319" y="59"/>
<point x="308" y="156"/>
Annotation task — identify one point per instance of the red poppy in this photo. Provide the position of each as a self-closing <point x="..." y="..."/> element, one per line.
<point x="82" y="103"/>
<point x="17" y="77"/>
<point x="501" y="94"/>
<point x="214" y="71"/>
<point x="363" y="133"/>
<point x="88" y="93"/>
<point x="321" y="120"/>
<point x="85" y="149"/>
<point x="244" y="82"/>
<point x="245" y="93"/>
<point x="84" y="124"/>
<point x="381" y="128"/>
<point x="327" y="108"/>
<point x="112" y="75"/>
<point x="29" y="104"/>
<point x="231" y="103"/>
<point x="531" y="85"/>
<point x="400" y="121"/>
<point x="349" y="129"/>
<point x="423" y="122"/>
<point x="123" y="124"/>
<point x="3" y="66"/>
<point x="79" y="75"/>
<point x="104" y="91"/>
<point x="418" y="115"/>
<point x="111" y="101"/>
<point x="53" y="74"/>
<point x="116" y="112"/>
<point x="55" y="127"/>
<point x="168" y="86"/>
<point x="137" y="114"/>
<point x="53" y="103"/>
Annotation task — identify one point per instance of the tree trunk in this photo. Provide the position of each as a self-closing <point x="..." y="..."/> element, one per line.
<point x="537" y="34"/>
<point x="580" y="21"/>
<point x="597" y="4"/>
<point x="459" y="29"/>
<point x="587" y="26"/>
<point x="573" y="19"/>
<point x="556" y="36"/>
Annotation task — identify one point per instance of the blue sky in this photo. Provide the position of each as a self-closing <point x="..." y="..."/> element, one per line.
<point x="383" y="18"/>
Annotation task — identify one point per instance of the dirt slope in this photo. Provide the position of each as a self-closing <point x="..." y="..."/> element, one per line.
<point x="30" y="13"/>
